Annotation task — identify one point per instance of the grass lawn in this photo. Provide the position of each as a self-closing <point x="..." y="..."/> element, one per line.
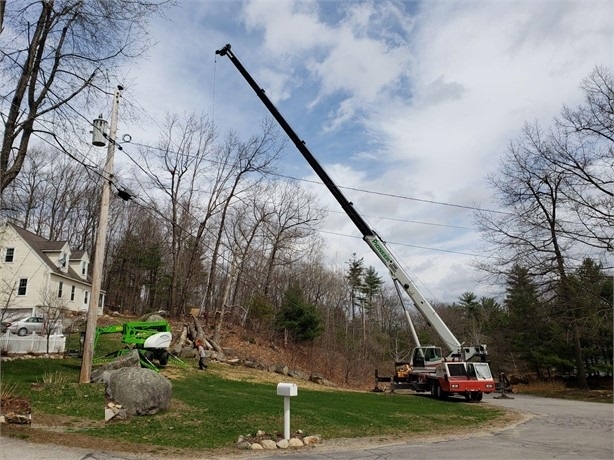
<point x="209" y="411"/>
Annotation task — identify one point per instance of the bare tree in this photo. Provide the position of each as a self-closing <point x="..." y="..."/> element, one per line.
<point x="55" y="54"/>
<point x="557" y="189"/>
<point x="177" y="171"/>
<point x="54" y="307"/>
<point x="293" y="219"/>
<point x="245" y="236"/>
<point x="583" y="146"/>
<point x="242" y="160"/>
<point x="51" y="198"/>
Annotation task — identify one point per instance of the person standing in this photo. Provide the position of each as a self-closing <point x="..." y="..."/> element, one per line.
<point x="202" y="365"/>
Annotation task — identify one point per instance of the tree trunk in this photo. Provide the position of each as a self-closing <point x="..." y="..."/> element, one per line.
<point x="218" y="324"/>
<point x="580" y="370"/>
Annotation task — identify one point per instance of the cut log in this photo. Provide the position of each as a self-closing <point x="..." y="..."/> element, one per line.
<point x="200" y="333"/>
<point x="197" y="332"/>
<point x="183" y="338"/>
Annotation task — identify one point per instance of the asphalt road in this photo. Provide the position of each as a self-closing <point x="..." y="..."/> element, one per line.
<point x="552" y="428"/>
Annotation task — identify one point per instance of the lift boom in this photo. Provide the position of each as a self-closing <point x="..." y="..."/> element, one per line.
<point x="369" y="235"/>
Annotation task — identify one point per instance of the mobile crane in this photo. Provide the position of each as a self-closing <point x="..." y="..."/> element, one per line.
<point x="428" y="370"/>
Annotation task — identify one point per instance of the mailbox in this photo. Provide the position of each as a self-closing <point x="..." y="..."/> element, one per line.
<point x="287" y="389"/>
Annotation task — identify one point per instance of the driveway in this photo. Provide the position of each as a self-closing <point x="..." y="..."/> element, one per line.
<point x="552" y="428"/>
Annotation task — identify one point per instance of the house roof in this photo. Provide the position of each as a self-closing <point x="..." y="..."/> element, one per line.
<point x="40" y="245"/>
<point x="77" y="255"/>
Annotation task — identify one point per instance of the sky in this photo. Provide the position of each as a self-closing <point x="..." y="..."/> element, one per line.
<point x="407" y="105"/>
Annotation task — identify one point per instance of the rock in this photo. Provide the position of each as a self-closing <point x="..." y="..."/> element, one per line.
<point x="150" y="318"/>
<point x="256" y="446"/>
<point x="311" y="440"/>
<point x="245" y="445"/>
<point x="130" y="359"/>
<point x="114" y="411"/>
<point x="176" y="350"/>
<point x="268" y="444"/>
<point x="188" y="352"/>
<point x="298" y="375"/>
<point x="317" y="378"/>
<point x="282" y="444"/>
<point x="108" y="414"/>
<point x="295" y="442"/>
<point x="281" y="369"/>
<point x="140" y="391"/>
<point x="216" y="356"/>
<point x="18" y="419"/>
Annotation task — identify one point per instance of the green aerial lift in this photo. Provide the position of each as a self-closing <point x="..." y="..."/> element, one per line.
<point x="150" y="338"/>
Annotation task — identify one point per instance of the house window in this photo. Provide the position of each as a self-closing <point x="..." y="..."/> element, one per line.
<point x="60" y="287"/>
<point x="23" y="286"/>
<point x="72" y="294"/>
<point x="85" y="294"/>
<point x="83" y="268"/>
<point x="10" y="254"/>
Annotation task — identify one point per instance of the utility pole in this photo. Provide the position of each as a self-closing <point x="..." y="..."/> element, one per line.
<point x="101" y="237"/>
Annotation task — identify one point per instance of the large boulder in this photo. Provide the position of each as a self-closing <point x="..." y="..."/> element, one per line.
<point x="151" y="318"/>
<point x="140" y="391"/>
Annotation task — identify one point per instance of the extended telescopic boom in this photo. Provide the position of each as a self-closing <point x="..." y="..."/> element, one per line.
<point x="371" y="238"/>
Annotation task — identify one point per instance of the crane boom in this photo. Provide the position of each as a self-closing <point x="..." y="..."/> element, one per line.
<point x="370" y="236"/>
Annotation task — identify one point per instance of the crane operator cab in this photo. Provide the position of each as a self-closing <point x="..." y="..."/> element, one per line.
<point x="428" y="356"/>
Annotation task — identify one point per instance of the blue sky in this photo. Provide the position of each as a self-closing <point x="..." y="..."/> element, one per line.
<point x="412" y="99"/>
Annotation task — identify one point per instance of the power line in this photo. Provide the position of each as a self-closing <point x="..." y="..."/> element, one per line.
<point x="355" y="189"/>
<point x="95" y="169"/>
<point x="450" y="251"/>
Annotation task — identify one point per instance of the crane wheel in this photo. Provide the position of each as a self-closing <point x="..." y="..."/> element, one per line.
<point x="439" y="393"/>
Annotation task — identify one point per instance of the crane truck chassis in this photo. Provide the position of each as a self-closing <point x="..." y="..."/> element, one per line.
<point x="429" y="370"/>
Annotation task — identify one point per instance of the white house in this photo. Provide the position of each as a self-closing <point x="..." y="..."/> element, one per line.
<point x="33" y="268"/>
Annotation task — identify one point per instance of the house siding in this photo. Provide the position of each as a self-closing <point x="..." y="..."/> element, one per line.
<point x="38" y="261"/>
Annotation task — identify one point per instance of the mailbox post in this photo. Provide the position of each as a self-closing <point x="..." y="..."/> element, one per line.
<point x="287" y="390"/>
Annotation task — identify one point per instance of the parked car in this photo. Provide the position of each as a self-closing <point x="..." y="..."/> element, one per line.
<point x="27" y="326"/>
<point x="4" y="326"/>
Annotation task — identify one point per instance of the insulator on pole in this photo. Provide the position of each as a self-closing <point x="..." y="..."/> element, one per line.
<point x="98" y="134"/>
